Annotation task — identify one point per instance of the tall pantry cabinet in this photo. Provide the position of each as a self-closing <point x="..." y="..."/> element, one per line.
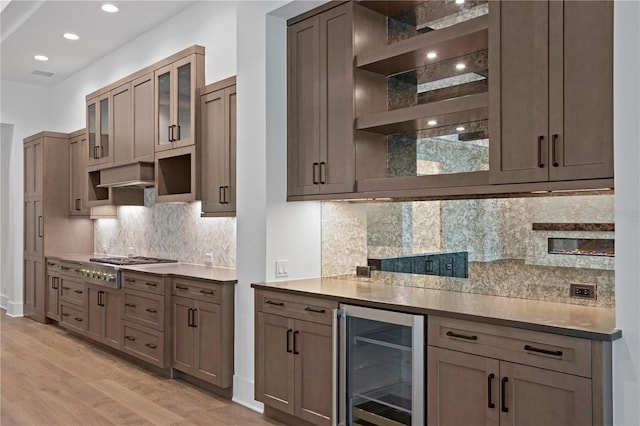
<point x="48" y="229"/>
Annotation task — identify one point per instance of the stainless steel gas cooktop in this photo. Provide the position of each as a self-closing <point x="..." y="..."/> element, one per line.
<point x="131" y="260"/>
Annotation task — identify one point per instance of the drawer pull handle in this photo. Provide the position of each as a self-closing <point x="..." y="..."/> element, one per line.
<point x="490" y="403"/>
<point x="461" y="336"/>
<point x="182" y="287"/>
<point x="64" y="314"/>
<point x="209" y="292"/>
<point x="271" y="302"/>
<point x="64" y="268"/>
<point x="131" y="338"/>
<point x="66" y="288"/>
<point x="151" y="284"/>
<point x="542" y="351"/>
<point x="151" y="345"/>
<point x="78" y="319"/>
<point x="317" y="311"/>
<point x="78" y="291"/>
<point x="130" y="305"/>
<point x="153" y="311"/>
<point x="504" y="395"/>
<point x="130" y="280"/>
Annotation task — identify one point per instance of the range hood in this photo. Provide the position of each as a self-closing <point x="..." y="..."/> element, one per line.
<point x="134" y="175"/>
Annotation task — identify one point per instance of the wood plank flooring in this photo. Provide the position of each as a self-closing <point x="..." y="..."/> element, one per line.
<point x="49" y="377"/>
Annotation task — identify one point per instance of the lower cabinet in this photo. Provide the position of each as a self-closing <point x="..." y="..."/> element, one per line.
<point x="294" y="356"/>
<point x="34" y="288"/>
<point x="104" y="309"/>
<point x="145" y="326"/>
<point x="483" y="374"/>
<point x="52" y="310"/>
<point x="203" y="330"/>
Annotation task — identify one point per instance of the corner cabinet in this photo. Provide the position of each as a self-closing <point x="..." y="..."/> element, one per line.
<point x="294" y="356"/>
<point x="320" y="96"/>
<point x="218" y="148"/>
<point x="177" y="87"/>
<point x="494" y="375"/>
<point x="551" y="114"/>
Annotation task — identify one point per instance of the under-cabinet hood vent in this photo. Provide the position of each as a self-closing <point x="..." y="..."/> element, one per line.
<point x="135" y="175"/>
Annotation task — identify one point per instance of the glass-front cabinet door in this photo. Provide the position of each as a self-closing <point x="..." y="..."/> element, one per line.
<point x="175" y="104"/>
<point x="98" y="130"/>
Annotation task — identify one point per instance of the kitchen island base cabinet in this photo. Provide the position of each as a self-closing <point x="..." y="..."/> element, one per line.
<point x="294" y="356"/>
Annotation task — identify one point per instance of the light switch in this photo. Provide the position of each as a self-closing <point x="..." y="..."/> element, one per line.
<point x="282" y="268"/>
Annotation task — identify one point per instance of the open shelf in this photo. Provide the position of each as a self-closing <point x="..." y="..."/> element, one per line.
<point x="451" y="42"/>
<point x="389" y="338"/>
<point x="388" y="405"/>
<point x="447" y="112"/>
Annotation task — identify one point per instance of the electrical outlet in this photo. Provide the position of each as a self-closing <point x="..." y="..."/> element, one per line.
<point x="208" y="259"/>
<point x="282" y="268"/>
<point x="363" y="271"/>
<point x="582" y="290"/>
<point x="131" y="251"/>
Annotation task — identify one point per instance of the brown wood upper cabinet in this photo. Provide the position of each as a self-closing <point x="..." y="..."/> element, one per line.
<point x="78" y="177"/>
<point x="176" y="91"/>
<point x="551" y="113"/>
<point x="320" y="153"/>
<point x="98" y="130"/>
<point x="218" y="148"/>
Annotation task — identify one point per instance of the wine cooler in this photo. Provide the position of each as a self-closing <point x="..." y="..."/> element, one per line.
<point x="381" y="367"/>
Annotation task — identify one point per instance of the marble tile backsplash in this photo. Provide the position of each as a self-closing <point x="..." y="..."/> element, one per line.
<point x="174" y="231"/>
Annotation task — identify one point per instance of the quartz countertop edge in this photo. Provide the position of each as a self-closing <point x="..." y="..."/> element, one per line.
<point x="218" y="274"/>
<point x="549" y="317"/>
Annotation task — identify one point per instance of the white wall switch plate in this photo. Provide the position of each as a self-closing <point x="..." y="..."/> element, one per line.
<point x="208" y="259"/>
<point x="282" y="268"/>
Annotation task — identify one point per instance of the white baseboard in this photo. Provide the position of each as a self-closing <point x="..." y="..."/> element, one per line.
<point x="15" y="309"/>
<point x="4" y="301"/>
<point x="243" y="393"/>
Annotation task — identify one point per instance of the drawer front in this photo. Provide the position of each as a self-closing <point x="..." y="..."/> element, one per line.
<point x="144" y="308"/>
<point x="143" y="343"/>
<point x="72" y="317"/>
<point x="143" y="282"/>
<point x="71" y="269"/>
<point x="298" y="307"/>
<point x="207" y="292"/>
<point x="72" y="291"/>
<point x="53" y="265"/>
<point x="565" y="354"/>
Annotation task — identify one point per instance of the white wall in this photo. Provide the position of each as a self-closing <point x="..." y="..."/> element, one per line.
<point x="27" y="108"/>
<point x="626" y="355"/>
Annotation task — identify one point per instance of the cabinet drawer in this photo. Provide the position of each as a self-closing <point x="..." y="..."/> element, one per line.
<point x="207" y="292"/>
<point x="144" y="308"/>
<point x="143" y="282"/>
<point x="72" y="317"/>
<point x="144" y="343"/>
<point x="545" y="350"/>
<point x="53" y="265"/>
<point x="299" y="307"/>
<point x="71" y="269"/>
<point x="72" y="291"/>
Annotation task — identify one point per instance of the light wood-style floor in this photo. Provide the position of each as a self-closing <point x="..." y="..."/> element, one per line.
<point x="49" y="377"/>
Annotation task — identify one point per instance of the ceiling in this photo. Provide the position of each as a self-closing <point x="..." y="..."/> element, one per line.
<point x="30" y="28"/>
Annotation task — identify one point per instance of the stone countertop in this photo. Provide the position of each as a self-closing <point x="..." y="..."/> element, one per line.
<point x="551" y="317"/>
<point x="187" y="270"/>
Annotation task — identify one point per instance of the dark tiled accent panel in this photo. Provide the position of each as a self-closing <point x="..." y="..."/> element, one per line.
<point x="598" y="227"/>
<point x="440" y="264"/>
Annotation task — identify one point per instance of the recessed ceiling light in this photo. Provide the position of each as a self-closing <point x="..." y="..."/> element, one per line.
<point x="111" y="8"/>
<point x="432" y="55"/>
<point x="71" y="36"/>
<point x="459" y="128"/>
<point x="40" y="58"/>
<point x="459" y="1"/>
<point x="460" y="66"/>
<point x="432" y="122"/>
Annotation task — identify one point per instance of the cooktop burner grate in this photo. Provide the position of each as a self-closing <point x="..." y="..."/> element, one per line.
<point x="132" y="260"/>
